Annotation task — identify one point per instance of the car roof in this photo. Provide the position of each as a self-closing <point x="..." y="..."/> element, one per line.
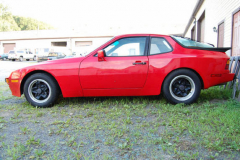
<point x="137" y="35"/>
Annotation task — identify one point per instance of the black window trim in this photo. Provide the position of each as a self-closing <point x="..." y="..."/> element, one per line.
<point x="149" y="46"/>
<point x="146" y="48"/>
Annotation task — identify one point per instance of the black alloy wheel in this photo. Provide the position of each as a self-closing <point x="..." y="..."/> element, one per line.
<point x="41" y="90"/>
<point x="182" y="86"/>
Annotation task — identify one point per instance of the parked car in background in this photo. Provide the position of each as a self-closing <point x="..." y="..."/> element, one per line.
<point x="78" y="54"/>
<point x="4" y="56"/>
<point x="21" y="55"/>
<point x="51" y="56"/>
<point x="70" y="56"/>
<point x="127" y="65"/>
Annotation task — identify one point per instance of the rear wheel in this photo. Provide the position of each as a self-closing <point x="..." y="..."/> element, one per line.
<point x="13" y="59"/>
<point x="41" y="90"/>
<point x="181" y="86"/>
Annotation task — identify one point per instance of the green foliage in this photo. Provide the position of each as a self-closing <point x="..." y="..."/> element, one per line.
<point x="9" y="22"/>
<point x="25" y="23"/>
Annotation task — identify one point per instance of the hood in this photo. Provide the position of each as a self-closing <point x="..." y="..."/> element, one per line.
<point x="48" y="65"/>
<point x="57" y="61"/>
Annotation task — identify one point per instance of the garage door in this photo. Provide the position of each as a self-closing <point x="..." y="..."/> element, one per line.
<point x="236" y="35"/>
<point x="8" y="47"/>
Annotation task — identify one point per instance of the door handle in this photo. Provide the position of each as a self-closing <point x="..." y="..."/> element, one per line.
<point x="139" y="63"/>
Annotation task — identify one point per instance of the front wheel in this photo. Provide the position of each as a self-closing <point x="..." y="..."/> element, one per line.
<point x="41" y="90"/>
<point x="182" y="86"/>
<point x="20" y="59"/>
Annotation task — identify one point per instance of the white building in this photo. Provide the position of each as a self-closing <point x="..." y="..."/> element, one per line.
<point x="43" y="41"/>
<point x="216" y="22"/>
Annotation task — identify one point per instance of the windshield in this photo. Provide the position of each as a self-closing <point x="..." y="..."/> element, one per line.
<point x="53" y="54"/>
<point x="20" y="51"/>
<point x="190" y="43"/>
<point x="98" y="47"/>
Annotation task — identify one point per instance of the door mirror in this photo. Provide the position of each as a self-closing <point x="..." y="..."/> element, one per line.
<point x="101" y="55"/>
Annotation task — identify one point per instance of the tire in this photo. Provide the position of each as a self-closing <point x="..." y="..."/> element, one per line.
<point x="34" y="58"/>
<point x="27" y="59"/>
<point x="4" y="59"/>
<point x="181" y="86"/>
<point x="20" y="59"/>
<point x="41" y="90"/>
<point x="13" y="59"/>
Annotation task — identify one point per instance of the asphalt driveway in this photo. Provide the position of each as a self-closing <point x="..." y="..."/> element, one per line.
<point x="6" y="67"/>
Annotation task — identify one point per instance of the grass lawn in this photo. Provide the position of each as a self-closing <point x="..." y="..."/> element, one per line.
<point x="121" y="128"/>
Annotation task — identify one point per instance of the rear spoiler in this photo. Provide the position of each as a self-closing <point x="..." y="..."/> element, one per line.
<point x="220" y="49"/>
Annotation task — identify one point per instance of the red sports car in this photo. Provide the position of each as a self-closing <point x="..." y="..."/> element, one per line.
<point x="127" y="65"/>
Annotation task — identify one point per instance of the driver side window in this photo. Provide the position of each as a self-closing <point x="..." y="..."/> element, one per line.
<point x="134" y="46"/>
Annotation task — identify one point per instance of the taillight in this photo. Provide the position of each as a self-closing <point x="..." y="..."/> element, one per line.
<point x="227" y="65"/>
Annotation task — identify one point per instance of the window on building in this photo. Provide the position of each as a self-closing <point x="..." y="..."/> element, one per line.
<point x="59" y="44"/>
<point x="201" y="28"/>
<point x="236" y="34"/>
<point x="220" y="35"/>
<point x="83" y="43"/>
<point x="193" y="33"/>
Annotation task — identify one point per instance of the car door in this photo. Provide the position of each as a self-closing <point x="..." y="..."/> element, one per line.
<point x="125" y="66"/>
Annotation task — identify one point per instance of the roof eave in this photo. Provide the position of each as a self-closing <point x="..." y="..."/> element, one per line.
<point x="196" y="9"/>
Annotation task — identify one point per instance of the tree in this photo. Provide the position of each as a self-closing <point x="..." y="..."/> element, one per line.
<point x="7" y="23"/>
<point x="25" y="23"/>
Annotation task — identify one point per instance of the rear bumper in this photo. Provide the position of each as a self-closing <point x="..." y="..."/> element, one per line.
<point x="227" y="77"/>
<point x="224" y="78"/>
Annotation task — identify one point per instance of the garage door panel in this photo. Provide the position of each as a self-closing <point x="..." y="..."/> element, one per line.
<point x="8" y="47"/>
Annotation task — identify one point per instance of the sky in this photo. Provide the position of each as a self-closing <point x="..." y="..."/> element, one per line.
<point x="143" y="16"/>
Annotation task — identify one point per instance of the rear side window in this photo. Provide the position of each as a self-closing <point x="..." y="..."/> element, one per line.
<point x="11" y="52"/>
<point x="20" y="51"/>
<point x="159" y="45"/>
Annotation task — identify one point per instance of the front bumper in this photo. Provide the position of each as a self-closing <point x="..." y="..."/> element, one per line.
<point x="14" y="85"/>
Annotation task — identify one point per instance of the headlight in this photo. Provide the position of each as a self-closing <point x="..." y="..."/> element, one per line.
<point x="15" y="75"/>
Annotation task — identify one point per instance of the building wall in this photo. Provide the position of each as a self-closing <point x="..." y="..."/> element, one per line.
<point x="38" y="45"/>
<point x="217" y="11"/>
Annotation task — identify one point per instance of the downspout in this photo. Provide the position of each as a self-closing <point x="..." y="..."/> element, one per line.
<point x="197" y="7"/>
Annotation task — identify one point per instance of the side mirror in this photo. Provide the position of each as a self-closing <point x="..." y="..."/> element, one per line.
<point x="101" y="55"/>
